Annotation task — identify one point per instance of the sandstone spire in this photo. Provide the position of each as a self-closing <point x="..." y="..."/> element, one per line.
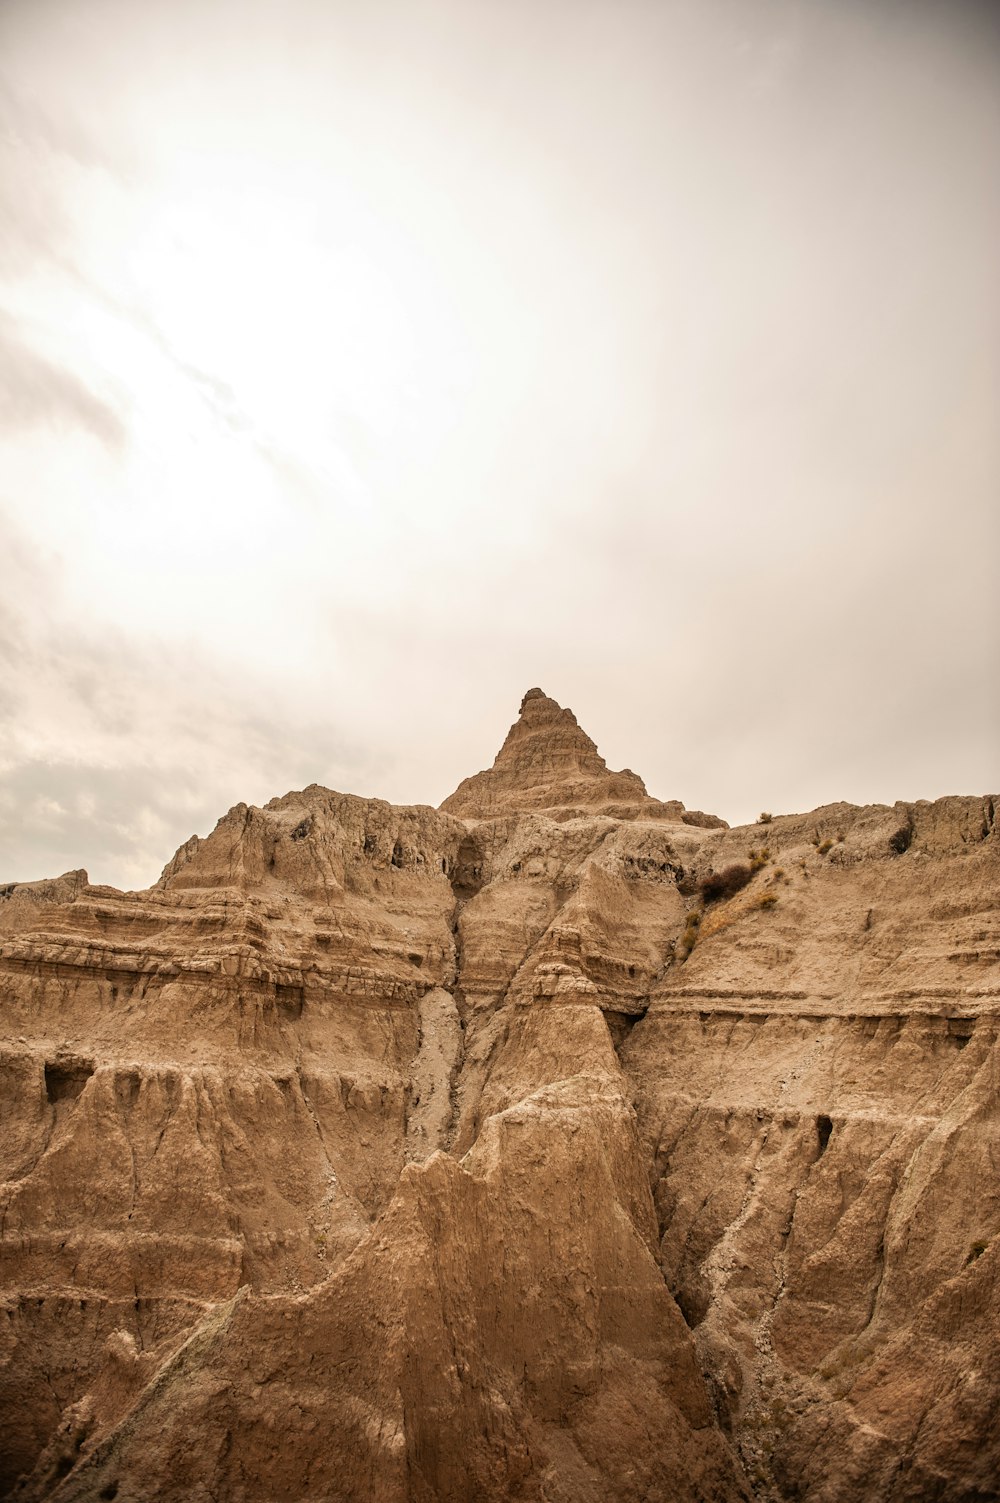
<point x="548" y="762"/>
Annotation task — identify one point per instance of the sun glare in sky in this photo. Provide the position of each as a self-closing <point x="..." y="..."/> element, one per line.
<point x="363" y="365"/>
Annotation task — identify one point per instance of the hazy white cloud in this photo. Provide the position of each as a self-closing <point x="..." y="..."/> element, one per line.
<point x="34" y="392"/>
<point x="647" y="352"/>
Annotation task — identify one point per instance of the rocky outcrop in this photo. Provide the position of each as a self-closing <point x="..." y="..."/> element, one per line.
<point x="549" y="763"/>
<point x="488" y="1153"/>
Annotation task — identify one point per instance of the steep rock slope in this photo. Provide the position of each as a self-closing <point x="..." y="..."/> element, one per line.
<point x="548" y="762"/>
<point x="395" y="1153"/>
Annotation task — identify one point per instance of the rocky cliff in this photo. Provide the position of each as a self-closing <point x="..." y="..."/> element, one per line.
<point x="561" y="1144"/>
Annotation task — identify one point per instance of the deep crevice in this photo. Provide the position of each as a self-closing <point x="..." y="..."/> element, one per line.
<point x="65" y="1079"/>
<point x="467" y="877"/>
<point x="620" y="1025"/>
<point x="289" y="1000"/>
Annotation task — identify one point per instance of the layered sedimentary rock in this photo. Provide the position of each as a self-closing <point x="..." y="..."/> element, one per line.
<point x="484" y="1153"/>
<point x="549" y="763"/>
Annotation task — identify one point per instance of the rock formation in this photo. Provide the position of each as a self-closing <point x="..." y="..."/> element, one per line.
<point x="549" y="764"/>
<point x="499" y="1152"/>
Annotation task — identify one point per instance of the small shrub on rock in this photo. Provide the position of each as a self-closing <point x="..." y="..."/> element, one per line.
<point x="690" y="936"/>
<point x="901" y="841"/>
<point x="724" y="884"/>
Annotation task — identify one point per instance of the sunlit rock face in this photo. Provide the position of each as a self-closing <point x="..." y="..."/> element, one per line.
<point x="404" y="1154"/>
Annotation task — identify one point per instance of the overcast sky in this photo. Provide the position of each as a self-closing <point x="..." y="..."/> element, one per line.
<point x="364" y="363"/>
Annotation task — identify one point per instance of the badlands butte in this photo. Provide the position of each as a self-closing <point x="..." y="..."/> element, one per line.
<point x="515" y="1150"/>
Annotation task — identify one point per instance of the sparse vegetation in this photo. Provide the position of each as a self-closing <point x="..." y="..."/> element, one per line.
<point x="768" y="900"/>
<point x="900" y="842"/>
<point x="690" y="936"/>
<point x="764" y="818"/>
<point x="724" y="884"/>
<point x="827" y="845"/>
<point x="759" y="859"/>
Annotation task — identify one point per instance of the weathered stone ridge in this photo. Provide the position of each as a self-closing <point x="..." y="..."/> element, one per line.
<point x="549" y="763"/>
<point x="482" y="1153"/>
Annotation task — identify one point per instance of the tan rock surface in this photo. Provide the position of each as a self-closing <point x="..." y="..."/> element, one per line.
<point x="387" y="1153"/>
<point x="548" y="762"/>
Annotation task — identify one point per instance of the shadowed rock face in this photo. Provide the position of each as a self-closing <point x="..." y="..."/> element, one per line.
<point x="381" y="1153"/>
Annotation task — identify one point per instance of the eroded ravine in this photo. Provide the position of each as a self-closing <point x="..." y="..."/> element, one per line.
<point x="404" y="1154"/>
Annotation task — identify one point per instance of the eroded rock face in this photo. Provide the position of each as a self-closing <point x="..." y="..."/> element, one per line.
<point x="548" y="762"/>
<point x="382" y="1153"/>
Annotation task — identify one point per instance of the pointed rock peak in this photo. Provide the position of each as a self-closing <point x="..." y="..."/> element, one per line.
<point x="546" y="739"/>
<point x="548" y="762"/>
<point x="538" y="709"/>
<point x="540" y="694"/>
